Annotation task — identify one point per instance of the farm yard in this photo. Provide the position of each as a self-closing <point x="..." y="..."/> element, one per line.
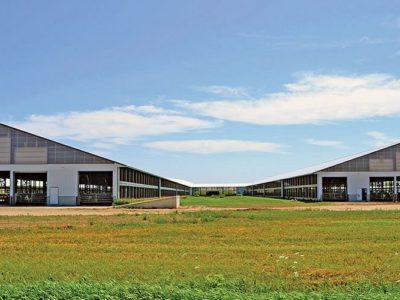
<point x="243" y="254"/>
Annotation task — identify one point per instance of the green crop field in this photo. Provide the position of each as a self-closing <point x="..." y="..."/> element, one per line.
<point x="260" y="254"/>
<point x="245" y="201"/>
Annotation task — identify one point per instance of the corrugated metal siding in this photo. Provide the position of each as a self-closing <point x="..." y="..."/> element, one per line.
<point x="5" y="150"/>
<point x="30" y="155"/>
<point x="381" y="165"/>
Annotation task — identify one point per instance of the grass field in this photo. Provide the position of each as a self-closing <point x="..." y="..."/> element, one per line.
<point x="245" y="201"/>
<point x="213" y="255"/>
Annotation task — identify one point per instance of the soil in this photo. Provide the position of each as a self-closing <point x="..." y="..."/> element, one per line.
<point x="342" y="206"/>
<point x="108" y="210"/>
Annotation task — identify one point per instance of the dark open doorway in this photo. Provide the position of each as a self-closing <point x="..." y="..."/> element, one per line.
<point x="4" y="188"/>
<point x="95" y="188"/>
<point x="334" y="189"/>
<point x="30" y="188"/>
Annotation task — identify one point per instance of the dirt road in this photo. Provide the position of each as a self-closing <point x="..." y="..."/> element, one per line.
<point x="98" y="210"/>
<point x="343" y="206"/>
<point x="107" y="210"/>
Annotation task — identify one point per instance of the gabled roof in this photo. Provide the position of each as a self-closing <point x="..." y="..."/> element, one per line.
<point x="58" y="143"/>
<point x="86" y="152"/>
<point x="317" y="168"/>
<point x="181" y="181"/>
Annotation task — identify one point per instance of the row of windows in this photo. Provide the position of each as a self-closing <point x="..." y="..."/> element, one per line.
<point x="268" y="185"/>
<point x="300" y="181"/>
<point x="274" y="184"/>
<point x="266" y="193"/>
<point x="257" y="187"/>
<point x="333" y="188"/>
<point x="273" y="192"/>
<point x="173" y="185"/>
<point x="135" y="192"/>
<point x="303" y="192"/>
<point x="129" y="192"/>
<point x="298" y="187"/>
<point x="134" y="176"/>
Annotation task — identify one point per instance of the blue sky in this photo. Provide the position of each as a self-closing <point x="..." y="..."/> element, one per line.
<point x="207" y="91"/>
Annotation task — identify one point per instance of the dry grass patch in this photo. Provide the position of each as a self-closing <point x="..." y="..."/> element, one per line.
<point x="284" y="249"/>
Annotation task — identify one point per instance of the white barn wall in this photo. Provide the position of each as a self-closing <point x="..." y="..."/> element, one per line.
<point x="63" y="176"/>
<point x="355" y="181"/>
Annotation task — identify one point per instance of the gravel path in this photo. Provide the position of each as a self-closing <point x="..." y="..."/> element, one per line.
<point x="97" y="210"/>
<point x="107" y="210"/>
<point x="343" y="206"/>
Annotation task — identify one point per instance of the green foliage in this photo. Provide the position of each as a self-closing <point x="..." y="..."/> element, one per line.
<point x="215" y="287"/>
<point x="124" y="201"/>
<point x="118" y="202"/>
<point x="251" y="254"/>
<point x="223" y="200"/>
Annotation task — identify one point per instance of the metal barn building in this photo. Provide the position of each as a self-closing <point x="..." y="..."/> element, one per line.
<point x="214" y="189"/>
<point x="38" y="171"/>
<point x="370" y="176"/>
<point x="228" y="189"/>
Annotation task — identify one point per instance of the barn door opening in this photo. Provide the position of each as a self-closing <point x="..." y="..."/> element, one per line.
<point x="4" y="188"/>
<point x="30" y="188"/>
<point x="95" y="188"/>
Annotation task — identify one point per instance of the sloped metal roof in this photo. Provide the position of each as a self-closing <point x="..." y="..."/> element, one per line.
<point x="89" y="153"/>
<point x="317" y="168"/>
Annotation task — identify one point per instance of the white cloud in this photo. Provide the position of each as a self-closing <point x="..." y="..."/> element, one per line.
<point x="325" y="143"/>
<point x="112" y="126"/>
<point x="144" y="109"/>
<point x="310" y="100"/>
<point x="380" y="139"/>
<point x="225" y="91"/>
<point x="215" y="146"/>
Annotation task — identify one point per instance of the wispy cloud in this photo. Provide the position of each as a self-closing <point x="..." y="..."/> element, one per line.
<point x="215" y="146"/>
<point x="381" y="139"/>
<point x="113" y="126"/>
<point x="325" y="143"/>
<point x="144" y="109"/>
<point x="225" y="91"/>
<point x="311" y="43"/>
<point x="312" y="99"/>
